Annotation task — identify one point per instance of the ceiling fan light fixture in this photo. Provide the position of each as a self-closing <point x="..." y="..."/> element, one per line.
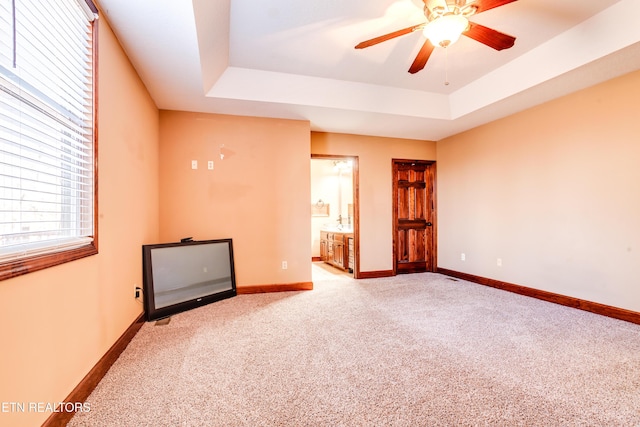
<point x="447" y="20"/>
<point x="445" y="30"/>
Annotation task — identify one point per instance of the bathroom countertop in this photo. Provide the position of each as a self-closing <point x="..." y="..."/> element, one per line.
<point x="337" y="229"/>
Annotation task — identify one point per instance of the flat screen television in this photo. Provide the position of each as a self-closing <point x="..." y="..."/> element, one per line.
<point x="185" y="275"/>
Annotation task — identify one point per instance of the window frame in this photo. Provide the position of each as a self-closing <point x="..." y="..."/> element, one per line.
<point x="29" y="264"/>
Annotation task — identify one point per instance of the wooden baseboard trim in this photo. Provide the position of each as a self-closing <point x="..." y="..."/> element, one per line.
<point x="593" y="307"/>
<point x="316" y="259"/>
<point x="95" y="375"/>
<point x="375" y="274"/>
<point x="284" y="287"/>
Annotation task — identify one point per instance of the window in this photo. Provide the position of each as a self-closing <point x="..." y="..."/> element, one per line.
<point x="47" y="140"/>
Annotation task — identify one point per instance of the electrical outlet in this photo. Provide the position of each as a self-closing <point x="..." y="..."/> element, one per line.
<point x="194" y="164"/>
<point x="284" y="265"/>
<point x="499" y="262"/>
<point x="136" y="291"/>
<point x="210" y="165"/>
<point x="463" y="256"/>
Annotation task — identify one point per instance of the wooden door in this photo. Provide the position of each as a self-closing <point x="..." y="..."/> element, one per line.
<point x="413" y="216"/>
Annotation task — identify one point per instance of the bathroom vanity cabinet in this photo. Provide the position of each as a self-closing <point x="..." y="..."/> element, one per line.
<point x="335" y="248"/>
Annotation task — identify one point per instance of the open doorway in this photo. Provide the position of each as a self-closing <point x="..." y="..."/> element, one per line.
<point x="335" y="213"/>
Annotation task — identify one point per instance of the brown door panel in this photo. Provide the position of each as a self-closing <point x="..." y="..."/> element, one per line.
<point x="413" y="216"/>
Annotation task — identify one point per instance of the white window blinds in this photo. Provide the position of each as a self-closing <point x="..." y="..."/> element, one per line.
<point x="46" y="127"/>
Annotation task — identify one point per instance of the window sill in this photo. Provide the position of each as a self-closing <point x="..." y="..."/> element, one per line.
<point x="35" y="263"/>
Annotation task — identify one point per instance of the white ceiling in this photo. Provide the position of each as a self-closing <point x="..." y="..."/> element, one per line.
<point x="296" y="59"/>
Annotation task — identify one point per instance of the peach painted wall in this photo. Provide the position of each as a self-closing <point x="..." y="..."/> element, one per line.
<point x="552" y="191"/>
<point x="57" y="323"/>
<point x="375" y="186"/>
<point x="258" y="195"/>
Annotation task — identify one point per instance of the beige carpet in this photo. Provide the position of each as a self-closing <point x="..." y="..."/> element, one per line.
<point x="411" y="350"/>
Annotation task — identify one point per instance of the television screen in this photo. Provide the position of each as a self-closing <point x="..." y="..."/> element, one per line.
<point x="185" y="275"/>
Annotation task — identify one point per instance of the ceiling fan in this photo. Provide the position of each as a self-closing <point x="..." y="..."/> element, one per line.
<point x="446" y="21"/>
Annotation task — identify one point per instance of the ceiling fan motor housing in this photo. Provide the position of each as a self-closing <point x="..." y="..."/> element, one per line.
<point x="434" y="9"/>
